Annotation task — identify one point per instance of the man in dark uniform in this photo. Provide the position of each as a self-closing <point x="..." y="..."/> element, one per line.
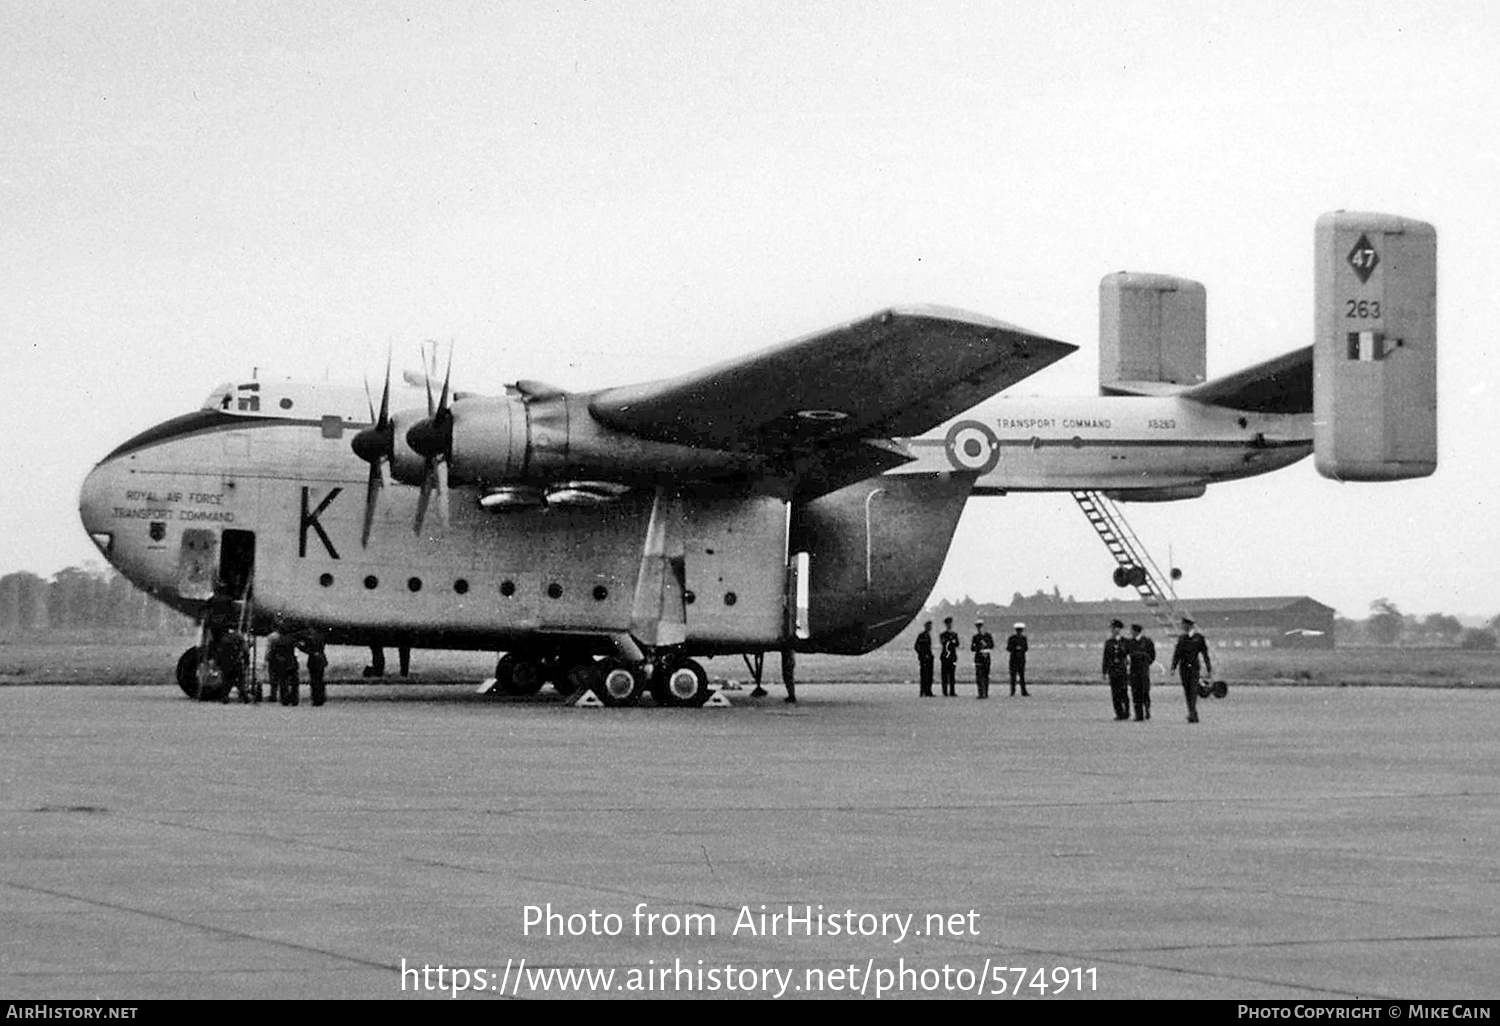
<point x="1116" y="669"/>
<point x="923" y="648"/>
<point x="948" y="657"/>
<point x="281" y="666"/>
<point x="232" y="656"/>
<point x="1016" y="645"/>
<point x="1191" y="646"/>
<point x="1142" y="655"/>
<point x="317" y="665"/>
<point x="981" y="645"/>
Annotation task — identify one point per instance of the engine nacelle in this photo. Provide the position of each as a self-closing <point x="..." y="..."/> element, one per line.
<point x="1375" y="349"/>
<point x="552" y="439"/>
<point x="490" y="440"/>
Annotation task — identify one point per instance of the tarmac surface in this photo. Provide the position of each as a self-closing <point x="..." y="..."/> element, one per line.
<point x="1314" y="843"/>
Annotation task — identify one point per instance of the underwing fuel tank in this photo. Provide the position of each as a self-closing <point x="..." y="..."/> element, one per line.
<point x="1375" y="351"/>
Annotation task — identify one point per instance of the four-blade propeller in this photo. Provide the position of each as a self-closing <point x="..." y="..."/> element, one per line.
<point x="432" y="439"/>
<point x="376" y="446"/>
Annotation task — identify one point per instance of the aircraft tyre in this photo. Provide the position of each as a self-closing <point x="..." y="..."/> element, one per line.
<point x="683" y="683"/>
<point x="187" y="677"/>
<point x="187" y="672"/>
<point x="574" y="675"/>
<point x="619" y="683"/>
<point x="519" y="676"/>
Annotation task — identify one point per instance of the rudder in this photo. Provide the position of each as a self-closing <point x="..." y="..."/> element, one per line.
<point x="1375" y="348"/>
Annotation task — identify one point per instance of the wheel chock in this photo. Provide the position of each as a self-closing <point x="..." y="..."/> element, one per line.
<point x="717" y="700"/>
<point x="485" y="686"/>
<point x="584" y="699"/>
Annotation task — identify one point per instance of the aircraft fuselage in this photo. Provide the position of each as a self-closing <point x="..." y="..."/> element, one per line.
<point x="1111" y="443"/>
<point x="165" y="507"/>
<point x="272" y="473"/>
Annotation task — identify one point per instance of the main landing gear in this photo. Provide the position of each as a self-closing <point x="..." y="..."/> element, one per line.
<point x="672" y="680"/>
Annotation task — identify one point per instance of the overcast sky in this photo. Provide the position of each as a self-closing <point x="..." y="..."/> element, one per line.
<point x="600" y="193"/>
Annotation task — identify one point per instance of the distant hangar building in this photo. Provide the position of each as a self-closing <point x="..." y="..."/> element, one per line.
<point x="1286" y="621"/>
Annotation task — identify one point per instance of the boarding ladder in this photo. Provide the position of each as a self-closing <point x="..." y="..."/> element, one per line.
<point x="1136" y="567"/>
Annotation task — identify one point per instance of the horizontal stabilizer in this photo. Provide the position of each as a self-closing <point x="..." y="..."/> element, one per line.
<point x="1147" y="388"/>
<point x="1282" y="385"/>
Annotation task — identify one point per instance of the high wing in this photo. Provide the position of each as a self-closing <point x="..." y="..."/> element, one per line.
<point x="895" y="374"/>
<point x="1280" y="385"/>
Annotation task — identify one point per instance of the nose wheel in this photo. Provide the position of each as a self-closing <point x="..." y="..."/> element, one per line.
<point x="197" y="680"/>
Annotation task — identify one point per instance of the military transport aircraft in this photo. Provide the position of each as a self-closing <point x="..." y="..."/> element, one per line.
<point x="608" y="539"/>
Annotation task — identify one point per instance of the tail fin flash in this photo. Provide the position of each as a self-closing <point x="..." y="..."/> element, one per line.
<point x="1375" y="351"/>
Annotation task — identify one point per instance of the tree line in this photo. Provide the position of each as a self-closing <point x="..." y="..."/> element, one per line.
<point x="1387" y="625"/>
<point x="86" y="596"/>
<point x="98" y="596"/>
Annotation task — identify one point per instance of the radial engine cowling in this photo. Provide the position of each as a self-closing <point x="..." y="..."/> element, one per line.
<point x="407" y="465"/>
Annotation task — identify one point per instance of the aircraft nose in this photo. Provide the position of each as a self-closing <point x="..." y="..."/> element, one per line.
<point x="95" y="501"/>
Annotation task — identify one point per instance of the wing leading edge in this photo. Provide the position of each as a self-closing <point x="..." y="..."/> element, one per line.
<point x="895" y="374"/>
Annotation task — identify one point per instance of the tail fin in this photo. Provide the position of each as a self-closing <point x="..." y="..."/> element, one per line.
<point x="1375" y="351"/>
<point x="1152" y="334"/>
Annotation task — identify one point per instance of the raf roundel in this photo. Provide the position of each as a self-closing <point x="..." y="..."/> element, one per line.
<point x="972" y="446"/>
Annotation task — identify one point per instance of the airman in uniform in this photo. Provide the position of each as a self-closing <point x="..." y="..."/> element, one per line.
<point x="317" y="665"/>
<point x="1016" y="645"/>
<point x="1191" y="646"/>
<point x="281" y="667"/>
<point x="981" y="645"/>
<point x="1116" y="669"/>
<point x="232" y="655"/>
<point x="1142" y="655"/>
<point x="923" y="647"/>
<point x="948" y="657"/>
